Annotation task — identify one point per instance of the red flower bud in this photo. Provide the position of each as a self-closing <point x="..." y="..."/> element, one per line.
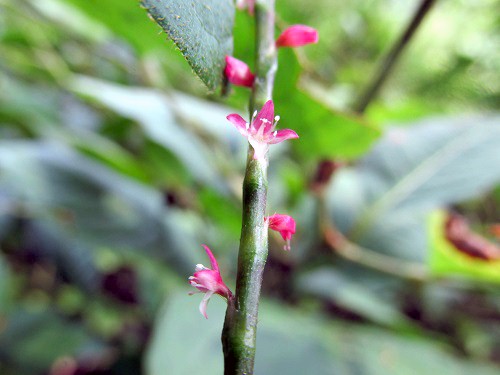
<point x="238" y="73"/>
<point x="296" y="36"/>
<point x="283" y="224"/>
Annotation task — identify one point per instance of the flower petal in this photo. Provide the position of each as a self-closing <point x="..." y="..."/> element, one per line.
<point x="282" y="135"/>
<point x="250" y="4"/>
<point x="296" y="36"/>
<point x="238" y="73"/>
<point x="204" y="303"/>
<point x="281" y="222"/>
<point x="285" y="225"/>
<point x="265" y="117"/>
<point x="239" y="122"/>
<point x="213" y="261"/>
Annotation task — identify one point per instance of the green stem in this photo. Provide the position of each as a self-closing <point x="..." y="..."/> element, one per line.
<point x="240" y="326"/>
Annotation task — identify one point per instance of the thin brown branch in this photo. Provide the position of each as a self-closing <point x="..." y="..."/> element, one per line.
<point x="392" y="56"/>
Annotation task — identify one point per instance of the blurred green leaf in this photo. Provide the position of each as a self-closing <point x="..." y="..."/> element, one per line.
<point x="203" y="31"/>
<point x="72" y="257"/>
<point x="91" y="203"/>
<point x="324" y="133"/>
<point x="382" y="202"/>
<point x="152" y="110"/>
<point x="445" y="259"/>
<point x="290" y="342"/>
<point x="4" y="285"/>
<point x="33" y="340"/>
<point x="350" y="293"/>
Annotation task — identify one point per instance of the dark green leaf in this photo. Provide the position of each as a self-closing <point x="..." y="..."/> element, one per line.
<point x="292" y="343"/>
<point x="351" y="293"/>
<point x="201" y="29"/>
<point x="91" y="203"/>
<point x="43" y="337"/>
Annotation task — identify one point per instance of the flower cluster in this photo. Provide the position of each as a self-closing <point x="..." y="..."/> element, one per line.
<point x="260" y="132"/>
<point x="239" y="74"/>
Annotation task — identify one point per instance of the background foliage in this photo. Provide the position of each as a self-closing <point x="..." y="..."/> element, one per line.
<point x="116" y="163"/>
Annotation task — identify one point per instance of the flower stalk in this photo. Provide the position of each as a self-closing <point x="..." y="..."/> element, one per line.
<point x="240" y="326"/>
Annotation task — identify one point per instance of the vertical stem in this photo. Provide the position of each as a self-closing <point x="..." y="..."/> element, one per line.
<point x="391" y="58"/>
<point x="240" y="326"/>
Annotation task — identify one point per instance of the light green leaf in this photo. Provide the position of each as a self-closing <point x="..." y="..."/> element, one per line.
<point x="445" y="259"/>
<point x="323" y="132"/>
<point x="154" y="111"/>
<point x="203" y="31"/>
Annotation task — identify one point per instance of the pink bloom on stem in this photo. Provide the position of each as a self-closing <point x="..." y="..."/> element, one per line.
<point x="260" y="132"/>
<point x="297" y="36"/>
<point x="238" y="73"/>
<point x="283" y="224"/>
<point x="208" y="281"/>
<point x="243" y="4"/>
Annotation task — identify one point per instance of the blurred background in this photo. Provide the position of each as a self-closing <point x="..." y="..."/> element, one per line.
<point x="116" y="163"/>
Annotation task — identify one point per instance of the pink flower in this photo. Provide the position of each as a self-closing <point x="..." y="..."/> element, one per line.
<point x="238" y="73"/>
<point x="296" y="36"/>
<point x="283" y="224"/>
<point x="260" y="132"/>
<point x="208" y="281"/>
<point x="243" y="4"/>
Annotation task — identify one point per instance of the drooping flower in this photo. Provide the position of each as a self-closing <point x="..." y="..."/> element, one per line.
<point x="297" y="36"/>
<point x="246" y="4"/>
<point x="260" y="132"/>
<point x="283" y="224"/>
<point x="238" y="73"/>
<point x="208" y="281"/>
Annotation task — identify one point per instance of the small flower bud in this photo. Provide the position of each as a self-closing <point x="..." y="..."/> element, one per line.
<point x="283" y="224"/>
<point x="297" y="36"/>
<point x="238" y="73"/>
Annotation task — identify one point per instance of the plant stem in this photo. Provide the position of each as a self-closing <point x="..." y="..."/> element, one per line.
<point x="391" y="58"/>
<point x="240" y="326"/>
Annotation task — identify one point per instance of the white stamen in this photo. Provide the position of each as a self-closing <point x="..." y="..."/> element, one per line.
<point x="275" y="132"/>
<point x="265" y="120"/>
<point x="254" y="113"/>
<point x="277" y="118"/>
<point x="247" y="126"/>
<point x="200" y="267"/>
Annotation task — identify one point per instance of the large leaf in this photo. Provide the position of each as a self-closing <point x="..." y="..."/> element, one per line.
<point x="357" y="294"/>
<point x="382" y="203"/>
<point x="290" y="342"/>
<point x="91" y="203"/>
<point x="201" y="29"/>
<point x="154" y="111"/>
